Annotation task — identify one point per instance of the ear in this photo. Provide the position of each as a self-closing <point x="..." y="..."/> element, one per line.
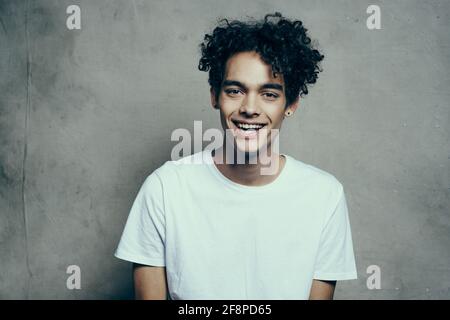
<point x="292" y="107"/>
<point x="213" y="98"/>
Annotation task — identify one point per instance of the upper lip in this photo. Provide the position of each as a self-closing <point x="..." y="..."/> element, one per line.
<point x="248" y="122"/>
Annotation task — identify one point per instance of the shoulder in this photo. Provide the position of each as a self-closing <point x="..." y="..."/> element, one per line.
<point x="171" y="170"/>
<point x="314" y="178"/>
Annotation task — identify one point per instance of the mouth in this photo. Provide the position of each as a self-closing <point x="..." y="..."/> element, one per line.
<point x="247" y="130"/>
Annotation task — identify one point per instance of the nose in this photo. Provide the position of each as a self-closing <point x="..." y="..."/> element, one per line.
<point x="249" y="105"/>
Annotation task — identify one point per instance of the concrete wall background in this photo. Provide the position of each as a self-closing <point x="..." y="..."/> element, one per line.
<point x="86" y="115"/>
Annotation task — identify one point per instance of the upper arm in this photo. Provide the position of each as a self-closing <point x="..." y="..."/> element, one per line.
<point x="335" y="259"/>
<point x="322" y="290"/>
<point x="150" y="282"/>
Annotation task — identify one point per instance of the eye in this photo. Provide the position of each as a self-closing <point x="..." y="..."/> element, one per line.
<point x="232" y="91"/>
<point x="270" y="95"/>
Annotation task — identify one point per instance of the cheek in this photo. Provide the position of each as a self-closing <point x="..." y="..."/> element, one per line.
<point x="277" y="122"/>
<point x="224" y="116"/>
<point x="275" y="117"/>
<point x="229" y="106"/>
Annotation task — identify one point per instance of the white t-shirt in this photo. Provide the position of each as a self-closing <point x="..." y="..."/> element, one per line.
<point x="222" y="240"/>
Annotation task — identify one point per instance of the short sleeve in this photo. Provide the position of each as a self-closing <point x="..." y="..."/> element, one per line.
<point x="335" y="259"/>
<point x="143" y="238"/>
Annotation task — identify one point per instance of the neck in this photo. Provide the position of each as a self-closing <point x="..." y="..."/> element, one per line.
<point x="255" y="171"/>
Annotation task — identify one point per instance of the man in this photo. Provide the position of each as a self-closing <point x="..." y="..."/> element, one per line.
<point x="222" y="229"/>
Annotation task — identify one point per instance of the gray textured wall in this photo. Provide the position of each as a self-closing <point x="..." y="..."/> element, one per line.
<point x="87" y="114"/>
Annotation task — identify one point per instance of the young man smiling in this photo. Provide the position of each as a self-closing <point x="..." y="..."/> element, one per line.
<point x="222" y="229"/>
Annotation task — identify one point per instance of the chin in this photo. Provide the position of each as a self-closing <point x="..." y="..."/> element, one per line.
<point x="250" y="147"/>
<point x="250" y="150"/>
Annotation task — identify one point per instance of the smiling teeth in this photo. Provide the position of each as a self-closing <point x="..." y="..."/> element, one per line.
<point x="249" y="126"/>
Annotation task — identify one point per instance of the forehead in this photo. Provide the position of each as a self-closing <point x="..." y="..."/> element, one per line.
<point x="250" y="69"/>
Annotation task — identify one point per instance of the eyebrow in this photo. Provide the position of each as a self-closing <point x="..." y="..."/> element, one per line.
<point x="275" y="86"/>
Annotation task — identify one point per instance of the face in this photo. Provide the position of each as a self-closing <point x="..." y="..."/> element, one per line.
<point x="251" y="101"/>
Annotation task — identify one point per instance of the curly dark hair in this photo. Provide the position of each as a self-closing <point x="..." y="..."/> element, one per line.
<point x="281" y="43"/>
